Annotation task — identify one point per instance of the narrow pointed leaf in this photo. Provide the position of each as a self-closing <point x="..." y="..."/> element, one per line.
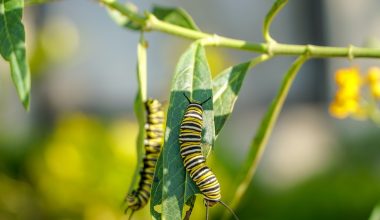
<point x="264" y="131"/>
<point x="139" y="108"/>
<point x="177" y="16"/>
<point x="174" y="187"/>
<point x="12" y="46"/>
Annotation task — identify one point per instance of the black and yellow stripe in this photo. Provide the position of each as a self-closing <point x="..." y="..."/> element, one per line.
<point x="191" y="153"/>
<point x="153" y="142"/>
<point x="190" y="136"/>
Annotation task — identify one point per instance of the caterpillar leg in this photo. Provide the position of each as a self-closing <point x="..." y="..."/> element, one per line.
<point x="126" y="210"/>
<point x="130" y="217"/>
<point x="207" y="210"/>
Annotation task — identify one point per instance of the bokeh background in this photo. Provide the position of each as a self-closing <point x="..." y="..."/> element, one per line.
<point x="72" y="156"/>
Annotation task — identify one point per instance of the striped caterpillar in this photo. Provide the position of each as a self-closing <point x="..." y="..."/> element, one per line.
<point x="153" y="142"/>
<point x="191" y="152"/>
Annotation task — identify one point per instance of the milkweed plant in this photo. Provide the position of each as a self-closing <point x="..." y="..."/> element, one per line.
<point x="173" y="191"/>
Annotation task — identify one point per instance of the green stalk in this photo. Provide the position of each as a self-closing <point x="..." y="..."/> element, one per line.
<point x="276" y="7"/>
<point x="38" y="2"/>
<point x="151" y="23"/>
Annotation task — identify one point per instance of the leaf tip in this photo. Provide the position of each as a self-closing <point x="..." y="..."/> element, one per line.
<point x="26" y="102"/>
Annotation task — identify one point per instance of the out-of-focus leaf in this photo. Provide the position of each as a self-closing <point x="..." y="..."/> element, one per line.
<point x="139" y="106"/>
<point x="174" y="186"/>
<point x="177" y="16"/>
<point x="375" y="215"/>
<point x="264" y="131"/>
<point x="123" y="20"/>
<point x="12" y="46"/>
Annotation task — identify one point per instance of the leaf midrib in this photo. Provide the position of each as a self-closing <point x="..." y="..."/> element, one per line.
<point x="192" y="86"/>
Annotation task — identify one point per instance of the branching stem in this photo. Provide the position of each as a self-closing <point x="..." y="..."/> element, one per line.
<point x="151" y="23"/>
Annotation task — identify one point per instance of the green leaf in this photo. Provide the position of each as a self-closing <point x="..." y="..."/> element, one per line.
<point x="264" y="131"/>
<point x="226" y="88"/>
<point x="122" y="19"/>
<point x="139" y="107"/>
<point x="276" y="7"/>
<point x="174" y="187"/>
<point x="176" y="16"/>
<point x="12" y="46"/>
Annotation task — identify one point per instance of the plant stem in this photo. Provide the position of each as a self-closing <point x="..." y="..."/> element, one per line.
<point x="151" y="23"/>
<point x="263" y="133"/>
<point x="37" y="2"/>
<point x="276" y="7"/>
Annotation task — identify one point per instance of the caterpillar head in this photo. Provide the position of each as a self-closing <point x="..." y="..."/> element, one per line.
<point x="133" y="201"/>
<point x="196" y="102"/>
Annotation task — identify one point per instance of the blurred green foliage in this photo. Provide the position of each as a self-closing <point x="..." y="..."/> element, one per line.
<point x="348" y="190"/>
<point x="81" y="169"/>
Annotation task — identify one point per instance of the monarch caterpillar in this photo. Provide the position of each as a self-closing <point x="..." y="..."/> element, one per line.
<point x="193" y="159"/>
<point x="153" y="141"/>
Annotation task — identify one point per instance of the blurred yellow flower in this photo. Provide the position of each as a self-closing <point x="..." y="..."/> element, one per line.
<point x="337" y="110"/>
<point x="344" y="109"/>
<point x="373" y="78"/>
<point x="346" y="100"/>
<point x="375" y="90"/>
<point x="373" y="75"/>
<point x="347" y="77"/>
<point x="347" y="93"/>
